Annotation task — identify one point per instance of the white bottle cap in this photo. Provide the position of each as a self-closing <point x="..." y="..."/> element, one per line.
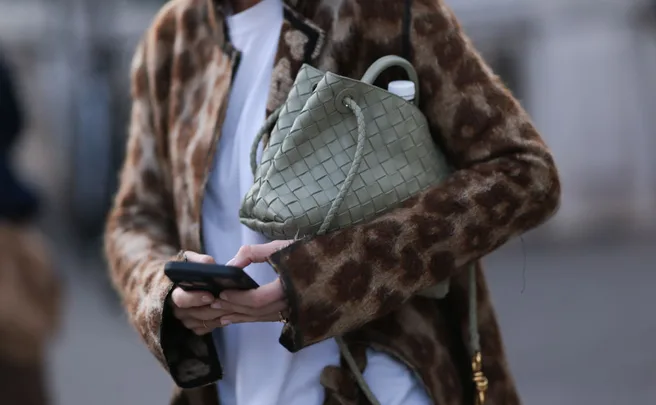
<point x="402" y="88"/>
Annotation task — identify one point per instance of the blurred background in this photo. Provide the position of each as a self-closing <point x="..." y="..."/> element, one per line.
<point x="573" y="297"/>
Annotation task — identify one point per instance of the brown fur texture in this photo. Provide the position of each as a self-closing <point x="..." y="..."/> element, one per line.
<point x="359" y="282"/>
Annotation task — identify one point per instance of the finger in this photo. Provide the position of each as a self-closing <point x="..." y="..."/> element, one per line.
<point x="257" y="253"/>
<point x="198" y="258"/>
<point x="235" y="309"/>
<point x="240" y="318"/>
<point x="194" y="324"/>
<point x="201" y="331"/>
<point x="191" y="324"/>
<point x="256" y="298"/>
<point x="180" y="313"/>
<point x="201" y="313"/>
<point x="190" y="299"/>
<point x="201" y="328"/>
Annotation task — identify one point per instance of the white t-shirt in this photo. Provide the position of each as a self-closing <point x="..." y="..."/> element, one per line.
<point x="257" y="369"/>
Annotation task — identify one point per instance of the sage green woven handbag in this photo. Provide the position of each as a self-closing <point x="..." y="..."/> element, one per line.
<point x="342" y="152"/>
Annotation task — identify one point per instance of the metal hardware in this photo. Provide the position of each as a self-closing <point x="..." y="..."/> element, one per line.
<point x="479" y="378"/>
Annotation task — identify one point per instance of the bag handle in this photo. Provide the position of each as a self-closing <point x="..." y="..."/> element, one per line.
<point x="267" y="127"/>
<point x="332" y="212"/>
<point x="387" y="62"/>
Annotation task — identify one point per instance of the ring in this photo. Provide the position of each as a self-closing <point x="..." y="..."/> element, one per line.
<point x="205" y="325"/>
<point x="282" y="318"/>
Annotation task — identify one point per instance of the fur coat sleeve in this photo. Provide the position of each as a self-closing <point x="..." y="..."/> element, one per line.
<point x="142" y="235"/>
<point x="505" y="184"/>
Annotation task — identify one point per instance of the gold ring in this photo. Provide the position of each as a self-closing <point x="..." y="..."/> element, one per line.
<point x="205" y="325"/>
<point x="282" y="318"/>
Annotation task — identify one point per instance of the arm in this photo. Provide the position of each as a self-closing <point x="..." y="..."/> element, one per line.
<point x="141" y="235"/>
<point x="504" y="185"/>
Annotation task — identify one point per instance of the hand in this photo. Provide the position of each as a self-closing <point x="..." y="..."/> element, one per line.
<point x="192" y="308"/>
<point x="264" y="304"/>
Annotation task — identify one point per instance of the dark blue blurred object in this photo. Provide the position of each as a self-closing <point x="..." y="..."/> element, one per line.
<point x="17" y="201"/>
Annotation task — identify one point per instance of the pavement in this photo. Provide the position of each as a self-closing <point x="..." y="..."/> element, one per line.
<point x="578" y="323"/>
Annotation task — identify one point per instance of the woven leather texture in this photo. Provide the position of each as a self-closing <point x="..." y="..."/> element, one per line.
<point x="295" y="188"/>
<point x="307" y="78"/>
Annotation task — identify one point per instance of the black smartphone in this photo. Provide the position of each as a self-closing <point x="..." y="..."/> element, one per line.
<point x="212" y="278"/>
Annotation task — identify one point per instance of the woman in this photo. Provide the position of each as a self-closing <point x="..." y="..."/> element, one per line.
<point x="29" y="290"/>
<point x="203" y="79"/>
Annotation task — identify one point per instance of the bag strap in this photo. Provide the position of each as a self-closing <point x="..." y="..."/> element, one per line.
<point x="267" y="127"/>
<point x="479" y="379"/>
<point x="475" y="350"/>
<point x="332" y="212"/>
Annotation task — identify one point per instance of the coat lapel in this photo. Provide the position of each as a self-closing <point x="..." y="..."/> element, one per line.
<point x="301" y="41"/>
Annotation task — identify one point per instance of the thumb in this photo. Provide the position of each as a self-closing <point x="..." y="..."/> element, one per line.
<point x="190" y="299"/>
<point x="198" y="258"/>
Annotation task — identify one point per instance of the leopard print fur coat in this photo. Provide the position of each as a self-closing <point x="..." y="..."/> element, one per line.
<point x="360" y="282"/>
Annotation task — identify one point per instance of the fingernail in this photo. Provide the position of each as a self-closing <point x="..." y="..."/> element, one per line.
<point x="225" y="322"/>
<point x="223" y="296"/>
<point x="206" y="299"/>
<point x="231" y="261"/>
<point x="216" y="305"/>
